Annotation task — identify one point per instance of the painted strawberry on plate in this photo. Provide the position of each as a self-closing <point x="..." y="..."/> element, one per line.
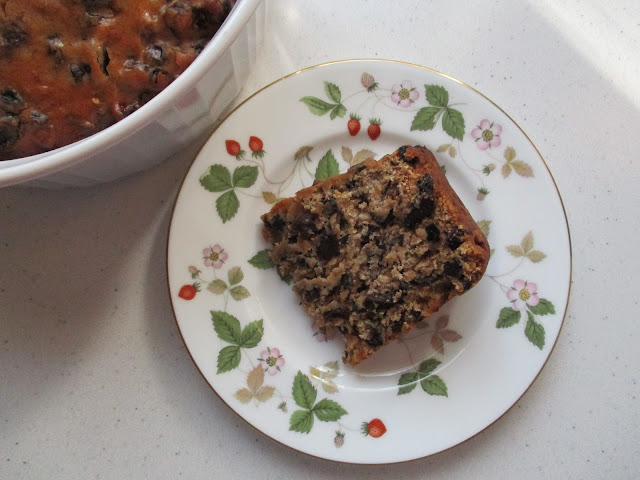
<point x="234" y="149"/>
<point x="374" y="130"/>
<point x="368" y="82"/>
<point x="256" y="147"/>
<point x="375" y="428"/>
<point x="353" y="125"/>
<point x="188" y="292"/>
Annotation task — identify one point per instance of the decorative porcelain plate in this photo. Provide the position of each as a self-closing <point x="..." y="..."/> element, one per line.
<point x="448" y="379"/>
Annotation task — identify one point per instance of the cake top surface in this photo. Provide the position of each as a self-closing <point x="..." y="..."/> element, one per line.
<point x="91" y="63"/>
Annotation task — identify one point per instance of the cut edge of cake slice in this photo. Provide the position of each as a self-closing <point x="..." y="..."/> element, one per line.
<point x="377" y="249"/>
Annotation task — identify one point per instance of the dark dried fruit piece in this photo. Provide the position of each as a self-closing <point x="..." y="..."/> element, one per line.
<point x="346" y="280"/>
<point x="311" y="295"/>
<point x="275" y="223"/>
<point x="79" y="70"/>
<point x="376" y="339"/>
<point x="160" y="77"/>
<point x="199" y="46"/>
<point x="427" y="280"/>
<point x="433" y="234"/>
<point x="378" y="301"/>
<point x="455" y="238"/>
<point x="9" y="130"/>
<point x="424" y="209"/>
<point x="338" y="313"/>
<point x="276" y="226"/>
<point x="328" y="247"/>
<point x="453" y="268"/>
<point x="425" y="185"/>
<point x="411" y="160"/>
<point x="203" y="19"/>
<point x="330" y="206"/>
<point x="11" y="101"/>
<point x="12" y="37"/>
<point x="304" y="224"/>
<point x="209" y="17"/>
<point x="144" y="97"/>
<point x="387" y="220"/>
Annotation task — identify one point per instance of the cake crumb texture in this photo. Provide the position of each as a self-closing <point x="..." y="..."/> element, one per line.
<point x="375" y="250"/>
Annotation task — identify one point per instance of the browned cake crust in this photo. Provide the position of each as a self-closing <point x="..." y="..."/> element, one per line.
<point x="375" y="250"/>
<point x="70" y="68"/>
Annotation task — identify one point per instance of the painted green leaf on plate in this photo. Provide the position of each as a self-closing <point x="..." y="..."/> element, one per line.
<point x="327" y="166"/>
<point x="245" y="176"/>
<point x="544" y="307"/>
<point x="434" y="385"/>
<point x="338" y="111"/>
<point x="261" y="260"/>
<point x="228" y="358"/>
<point x="317" y="106"/>
<point x="437" y="95"/>
<point x="217" y="179"/>
<point x="226" y="326"/>
<point x="251" y="334"/>
<point x="453" y="123"/>
<point x="328" y="411"/>
<point x="332" y="91"/>
<point x="426" y="118"/>
<point x="304" y="393"/>
<point x="407" y="382"/>
<point x="428" y="366"/>
<point x="534" y="331"/>
<point x="508" y="317"/>
<point x="301" y="421"/>
<point x="227" y="205"/>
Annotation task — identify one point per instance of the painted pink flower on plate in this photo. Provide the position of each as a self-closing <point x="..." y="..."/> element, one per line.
<point x="272" y="359"/>
<point x="214" y="256"/>
<point x="322" y="337"/>
<point x="487" y="134"/>
<point x="522" y="294"/>
<point x="404" y="94"/>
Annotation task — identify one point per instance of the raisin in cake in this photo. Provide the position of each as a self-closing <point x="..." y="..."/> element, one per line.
<point x="69" y="69"/>
<point x="375" y="250"/>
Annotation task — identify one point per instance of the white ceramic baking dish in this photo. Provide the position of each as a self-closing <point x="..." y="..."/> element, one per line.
<point x="176" y="116"/>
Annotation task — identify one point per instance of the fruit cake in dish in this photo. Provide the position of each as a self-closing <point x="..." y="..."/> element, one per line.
<point x="373" y="251"/>
<point x="70" y="68"/>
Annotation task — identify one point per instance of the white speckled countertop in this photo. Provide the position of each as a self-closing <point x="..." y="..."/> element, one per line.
<point x="95" y="381"/>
